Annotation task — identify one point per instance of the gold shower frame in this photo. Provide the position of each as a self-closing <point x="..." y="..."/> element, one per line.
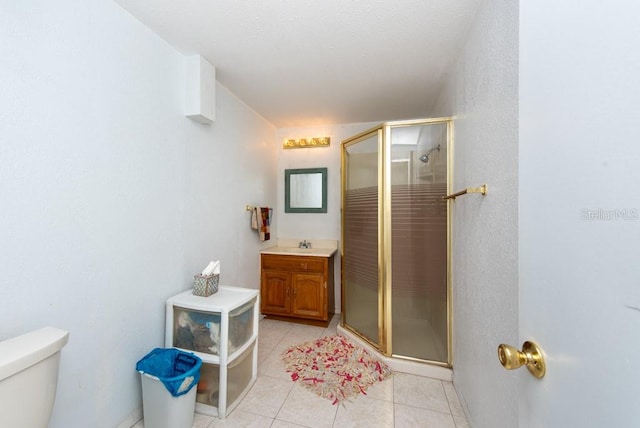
<point x="383" y="132"/>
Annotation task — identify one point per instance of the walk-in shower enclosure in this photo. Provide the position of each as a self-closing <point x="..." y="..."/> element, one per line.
<point x="395" y="238"/>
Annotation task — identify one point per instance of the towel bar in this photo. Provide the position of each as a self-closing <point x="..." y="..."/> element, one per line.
<point x="482" y="189"/>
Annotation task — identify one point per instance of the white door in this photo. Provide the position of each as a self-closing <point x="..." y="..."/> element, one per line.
<point x="579" y="225"/>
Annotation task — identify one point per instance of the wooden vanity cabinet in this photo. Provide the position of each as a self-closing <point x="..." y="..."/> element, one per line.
<point x="297" y="287"/>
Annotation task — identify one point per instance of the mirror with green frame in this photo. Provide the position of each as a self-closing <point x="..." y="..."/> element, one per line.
<point x="305" y="190"/>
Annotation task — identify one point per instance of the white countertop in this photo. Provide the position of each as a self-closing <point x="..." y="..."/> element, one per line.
<point x="295" y="251"/>
<point x="289" y="247"/>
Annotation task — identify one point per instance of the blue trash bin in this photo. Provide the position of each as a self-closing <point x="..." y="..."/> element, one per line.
<point x="168" y="377"/>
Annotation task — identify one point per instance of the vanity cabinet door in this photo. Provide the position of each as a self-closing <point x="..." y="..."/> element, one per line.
<point x="275" y="292"/>
<point x="309" y="296"/>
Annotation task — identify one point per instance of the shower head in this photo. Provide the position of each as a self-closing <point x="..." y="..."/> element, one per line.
<point x="425" y="157"/>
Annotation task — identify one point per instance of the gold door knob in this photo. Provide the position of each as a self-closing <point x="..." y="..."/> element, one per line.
<point x="530" y="356"/>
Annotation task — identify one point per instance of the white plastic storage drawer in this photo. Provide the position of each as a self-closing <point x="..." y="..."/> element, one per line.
<point x="196" y="323"/>
<point x="211" y="392"/>
<point x="200" y="331"/>
<point x="241" y="325"/>
<point x="196" y="331"/>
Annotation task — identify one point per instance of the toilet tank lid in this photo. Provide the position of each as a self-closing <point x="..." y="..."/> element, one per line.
<point x="21" y="352"/>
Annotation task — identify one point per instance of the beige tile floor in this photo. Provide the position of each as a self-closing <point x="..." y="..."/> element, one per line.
<point x="403" y="401"/>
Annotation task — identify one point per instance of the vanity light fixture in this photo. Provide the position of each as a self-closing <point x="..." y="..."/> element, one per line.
<point x="306" y="142"/>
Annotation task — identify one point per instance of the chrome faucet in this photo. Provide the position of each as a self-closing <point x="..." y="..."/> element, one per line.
<point x="304" y="244"/>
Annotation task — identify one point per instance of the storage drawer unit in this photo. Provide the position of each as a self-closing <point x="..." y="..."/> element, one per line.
<point x="222" y="329"/>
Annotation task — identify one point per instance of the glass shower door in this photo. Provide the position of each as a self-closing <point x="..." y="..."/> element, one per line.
<point x="419" y="309"/>
<point x="360" y="205"/>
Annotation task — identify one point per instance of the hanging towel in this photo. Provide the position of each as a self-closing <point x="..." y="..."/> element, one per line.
<point x="264" y="220"/>
<point x="254" y="218"/>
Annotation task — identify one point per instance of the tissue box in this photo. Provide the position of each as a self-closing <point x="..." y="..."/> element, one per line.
<point x="205" y="285"/>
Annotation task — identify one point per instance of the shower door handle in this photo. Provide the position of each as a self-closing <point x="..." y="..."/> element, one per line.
<point x="531" y="356"/>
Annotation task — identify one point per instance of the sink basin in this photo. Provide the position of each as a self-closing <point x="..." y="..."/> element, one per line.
<point x="297" y="249"/>
<point x="320" y="252"/>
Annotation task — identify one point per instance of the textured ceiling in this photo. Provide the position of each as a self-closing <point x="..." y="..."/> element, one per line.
<point x="304" y="63"/>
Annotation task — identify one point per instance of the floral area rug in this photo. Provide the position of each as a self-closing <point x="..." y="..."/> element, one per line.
<point x="334" y="368"/>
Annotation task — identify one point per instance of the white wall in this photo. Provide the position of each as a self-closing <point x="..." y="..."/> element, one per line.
<point x="315" y="226"/>
<point x="110" y="198"/>
<point x="481" y="95"/>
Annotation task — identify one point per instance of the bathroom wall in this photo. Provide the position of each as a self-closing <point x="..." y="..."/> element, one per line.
<point x="482" y="96"/>
<point x="315" y="226"/>
<point x="110" y="198"/>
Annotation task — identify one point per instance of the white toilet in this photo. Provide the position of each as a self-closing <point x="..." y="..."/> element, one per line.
<point x="28" y="377"/>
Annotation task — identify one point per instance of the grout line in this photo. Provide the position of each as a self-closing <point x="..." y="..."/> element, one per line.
<point x="282" y="405"/>
<point x="212" y="421"/>
<point x="393" y="412"/>
<point x="423" y="408"/>
<point x="447" y="397"/>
